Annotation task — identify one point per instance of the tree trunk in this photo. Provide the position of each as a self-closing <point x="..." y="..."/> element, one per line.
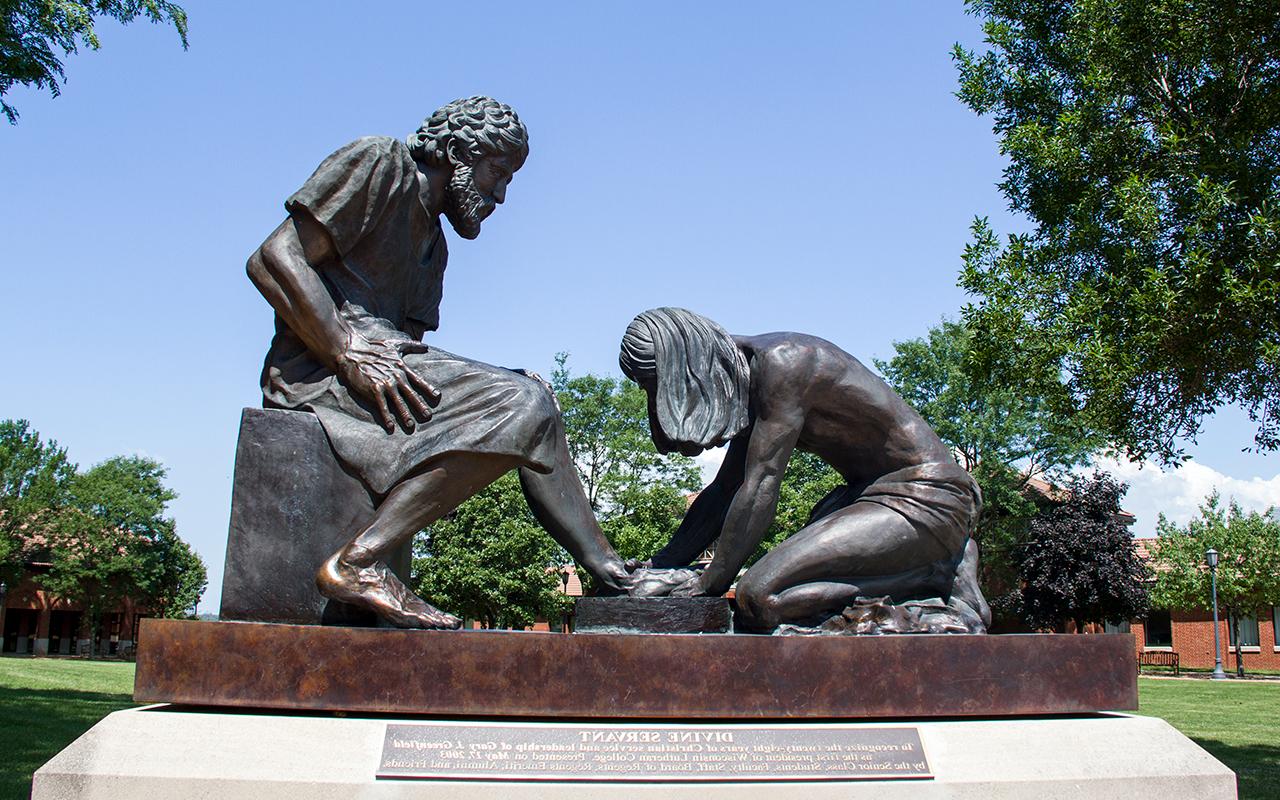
<point x="94" y="616"/>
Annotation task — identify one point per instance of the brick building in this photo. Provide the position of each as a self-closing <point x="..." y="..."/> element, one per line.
<point x="36" y="622"/>
<point x="1189" y="633"/>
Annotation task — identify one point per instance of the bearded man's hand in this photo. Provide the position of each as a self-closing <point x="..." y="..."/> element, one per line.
<point x="375" y="370"/>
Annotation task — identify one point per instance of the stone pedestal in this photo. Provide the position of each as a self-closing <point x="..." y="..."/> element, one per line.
<point x="292" y="506"/>
<point x="652" y="615"/>
<point x="163" y="752"/>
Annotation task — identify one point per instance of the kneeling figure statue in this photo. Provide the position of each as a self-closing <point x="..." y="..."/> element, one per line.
<point x="888" y="552"/>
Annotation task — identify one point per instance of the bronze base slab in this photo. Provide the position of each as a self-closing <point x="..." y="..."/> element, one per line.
<point x="621" y="676"/>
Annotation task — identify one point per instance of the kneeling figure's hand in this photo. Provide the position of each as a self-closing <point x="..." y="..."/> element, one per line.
<point x="691" y="588"/>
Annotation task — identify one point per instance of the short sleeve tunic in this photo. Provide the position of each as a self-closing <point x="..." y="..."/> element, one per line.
<point x="388" y="278"/>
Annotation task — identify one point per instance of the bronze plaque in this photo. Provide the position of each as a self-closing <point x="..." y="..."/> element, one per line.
<point x="572" y="752"/>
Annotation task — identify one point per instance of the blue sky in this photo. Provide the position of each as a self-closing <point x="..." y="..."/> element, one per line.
<point x="775" y="169"/>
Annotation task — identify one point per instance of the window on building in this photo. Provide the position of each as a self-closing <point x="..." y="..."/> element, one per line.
<point x="20" y="630"/>
<point x="1248" y="631"/>
<point x="1158" y="629"/>
<point x="1123" y="627"/>
<point x="1275" y="625"/>
<point x="114" y="623"/>
<point x="62" y="632"/>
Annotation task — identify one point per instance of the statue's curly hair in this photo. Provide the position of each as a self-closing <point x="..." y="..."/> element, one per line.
<point x="480" y="125"/>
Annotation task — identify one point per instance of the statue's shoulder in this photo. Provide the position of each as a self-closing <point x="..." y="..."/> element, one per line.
<point x="352" y="189"/>
<point x="377" y="165"/>
<point x="373" y="149"/>
<point x="783" y="357"/>
<point x="786" y="347"/>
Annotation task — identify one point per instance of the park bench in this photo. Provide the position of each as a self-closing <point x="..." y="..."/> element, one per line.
<point x="1158" y="658"/>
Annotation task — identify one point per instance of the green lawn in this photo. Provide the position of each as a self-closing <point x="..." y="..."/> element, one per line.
<point x="46" y="703"/>
<point x="1237" y="721"/>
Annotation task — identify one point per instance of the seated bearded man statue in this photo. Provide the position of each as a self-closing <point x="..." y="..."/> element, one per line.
<point x="899" y="528"/>
<point x="355" y="275"/>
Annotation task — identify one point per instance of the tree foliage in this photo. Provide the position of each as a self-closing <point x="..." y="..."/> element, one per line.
<point x="1143" y="142"/>
<point x="103" y="531"/>
<point x="35" y="34"/>
<point x="114" y="541"/>
<point x="638" y="493"/>
<point x="34" y="479"/>
<point x="92" y="564"/>
<point x="653" y="513"/>
<point x="175" y="578"/>
<point x="1079" y="561"/>
<point x="1248" y="546"/>
<point x="979" y="409"/>
<point x="491" y="561"/>
<point x="127" y="495"/>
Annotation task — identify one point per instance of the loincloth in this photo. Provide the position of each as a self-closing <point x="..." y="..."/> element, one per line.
<point x="940" y="500"/>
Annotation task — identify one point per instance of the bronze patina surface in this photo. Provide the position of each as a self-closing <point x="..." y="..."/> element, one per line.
<point x="505" y="673"/>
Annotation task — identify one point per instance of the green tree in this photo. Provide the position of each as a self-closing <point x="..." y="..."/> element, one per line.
<point x="175" y="577"/>
<point x="128" y="495"/>
<point x="638" y="493"/>
<point x="1248" y="563"/>
<point x="32" y="32"/>
<point x="979" y="409"/>
<point x="1143" y="143"/>
<point x="104" y="530"/>
<point x="114" y="541"/>
<point x="92" y="564"/>
<point x="999" y="430"/>
<point x="34" y="480"/>
<point x="490" y="561"/>
<point x="1079" y="562"/>
<point x="653" y="511"/>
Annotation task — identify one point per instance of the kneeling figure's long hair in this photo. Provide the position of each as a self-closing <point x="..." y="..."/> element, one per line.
<point x="702" y="379"/>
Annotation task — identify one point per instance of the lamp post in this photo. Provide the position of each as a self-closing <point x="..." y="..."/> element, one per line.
<point x="1211" y="558"/>
<point x="564" y="588"/>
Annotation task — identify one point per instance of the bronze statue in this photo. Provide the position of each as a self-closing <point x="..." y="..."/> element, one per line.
<point x="355" y="275"/>
<point x="900" y="528"/>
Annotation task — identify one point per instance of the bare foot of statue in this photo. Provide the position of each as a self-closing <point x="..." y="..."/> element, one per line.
<point x="377" y="589"/>
<point x="660" y="581"/>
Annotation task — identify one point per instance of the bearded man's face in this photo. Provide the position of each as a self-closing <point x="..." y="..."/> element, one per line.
<point x="474" y="190"/>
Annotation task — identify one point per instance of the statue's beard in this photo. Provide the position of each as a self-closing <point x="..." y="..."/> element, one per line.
<point x="464" y="206"/>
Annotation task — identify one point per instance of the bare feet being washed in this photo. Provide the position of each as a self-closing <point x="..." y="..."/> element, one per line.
<point x="378" y="589"/>
<point x="659" y="581"/>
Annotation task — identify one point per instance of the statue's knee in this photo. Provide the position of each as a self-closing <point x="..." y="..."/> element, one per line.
<point x="757" y="607"/>
<point x="536" y="400"/>
<point x="543" y="401"/>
